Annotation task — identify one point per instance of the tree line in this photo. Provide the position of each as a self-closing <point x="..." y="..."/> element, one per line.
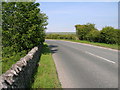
<point x="107" y="35"/>
<point x="61" y="36"/>
<point x="88" y="32"/>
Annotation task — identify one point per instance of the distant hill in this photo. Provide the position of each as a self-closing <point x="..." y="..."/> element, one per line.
<point x="63" y="33"/>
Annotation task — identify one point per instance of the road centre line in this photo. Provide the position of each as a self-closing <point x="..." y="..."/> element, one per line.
<point x="101" y="57"/>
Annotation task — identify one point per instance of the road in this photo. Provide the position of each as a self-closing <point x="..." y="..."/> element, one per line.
<point x="84" y="66"/>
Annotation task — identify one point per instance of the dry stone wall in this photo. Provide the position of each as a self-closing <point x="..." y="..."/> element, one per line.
<point x="20" y="74"/>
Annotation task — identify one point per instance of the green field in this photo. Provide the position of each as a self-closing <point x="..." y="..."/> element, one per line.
<point x="46" y="76"/>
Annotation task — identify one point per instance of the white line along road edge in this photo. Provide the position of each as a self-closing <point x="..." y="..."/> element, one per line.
<point x="87" y="45"/>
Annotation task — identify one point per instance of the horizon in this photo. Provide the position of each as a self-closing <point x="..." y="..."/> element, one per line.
<point x="63" y="16"/>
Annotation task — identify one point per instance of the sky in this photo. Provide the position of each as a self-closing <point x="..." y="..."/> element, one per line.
<point x="63" y="16"/>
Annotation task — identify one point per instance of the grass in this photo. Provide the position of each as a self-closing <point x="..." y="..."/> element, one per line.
<point x="46" y="75"/>
<point x="112" y="46"/>
<point x="9" y="58"/>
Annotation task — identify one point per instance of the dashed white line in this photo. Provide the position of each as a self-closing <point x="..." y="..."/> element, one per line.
<point x="100" y="57"/>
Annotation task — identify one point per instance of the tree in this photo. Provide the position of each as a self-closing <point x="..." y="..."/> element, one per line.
<point x="109" y="35"/>
<point x="93" y="36"/>
<point x="83" y="30"/>
<point x="23" y="25"/>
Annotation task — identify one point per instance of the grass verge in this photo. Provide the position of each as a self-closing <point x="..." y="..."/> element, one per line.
<point x="46" y="75"/>
<point x="112" y="46"/>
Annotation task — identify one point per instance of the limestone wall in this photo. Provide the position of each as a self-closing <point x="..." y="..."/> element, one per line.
<point x="20" y="74"/>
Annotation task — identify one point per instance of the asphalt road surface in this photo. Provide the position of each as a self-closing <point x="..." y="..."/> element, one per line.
<point x="84" y="66"/>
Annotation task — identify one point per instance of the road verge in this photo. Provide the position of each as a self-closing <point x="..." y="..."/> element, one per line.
<point x="108" y="46"/>
<point x="46" y="76"/>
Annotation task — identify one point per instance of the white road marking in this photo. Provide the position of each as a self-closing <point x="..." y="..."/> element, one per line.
<point x="100" y="57"/>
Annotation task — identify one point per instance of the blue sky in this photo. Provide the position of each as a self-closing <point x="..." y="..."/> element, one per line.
<point x="63" y="16"/>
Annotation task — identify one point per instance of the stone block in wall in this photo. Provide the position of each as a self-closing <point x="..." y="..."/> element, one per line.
<point x="21" y="73"/>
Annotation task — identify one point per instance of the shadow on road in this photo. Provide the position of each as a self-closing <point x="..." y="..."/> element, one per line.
<point x="53" y="48"/>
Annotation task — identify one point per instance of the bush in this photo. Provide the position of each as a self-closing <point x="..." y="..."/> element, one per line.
<point x="93" y="36"/>
<point x="109" y="35"/>
<point x="23" y="25"/>
<point x="83" y="30"/>
<point x="9" y="57"/>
